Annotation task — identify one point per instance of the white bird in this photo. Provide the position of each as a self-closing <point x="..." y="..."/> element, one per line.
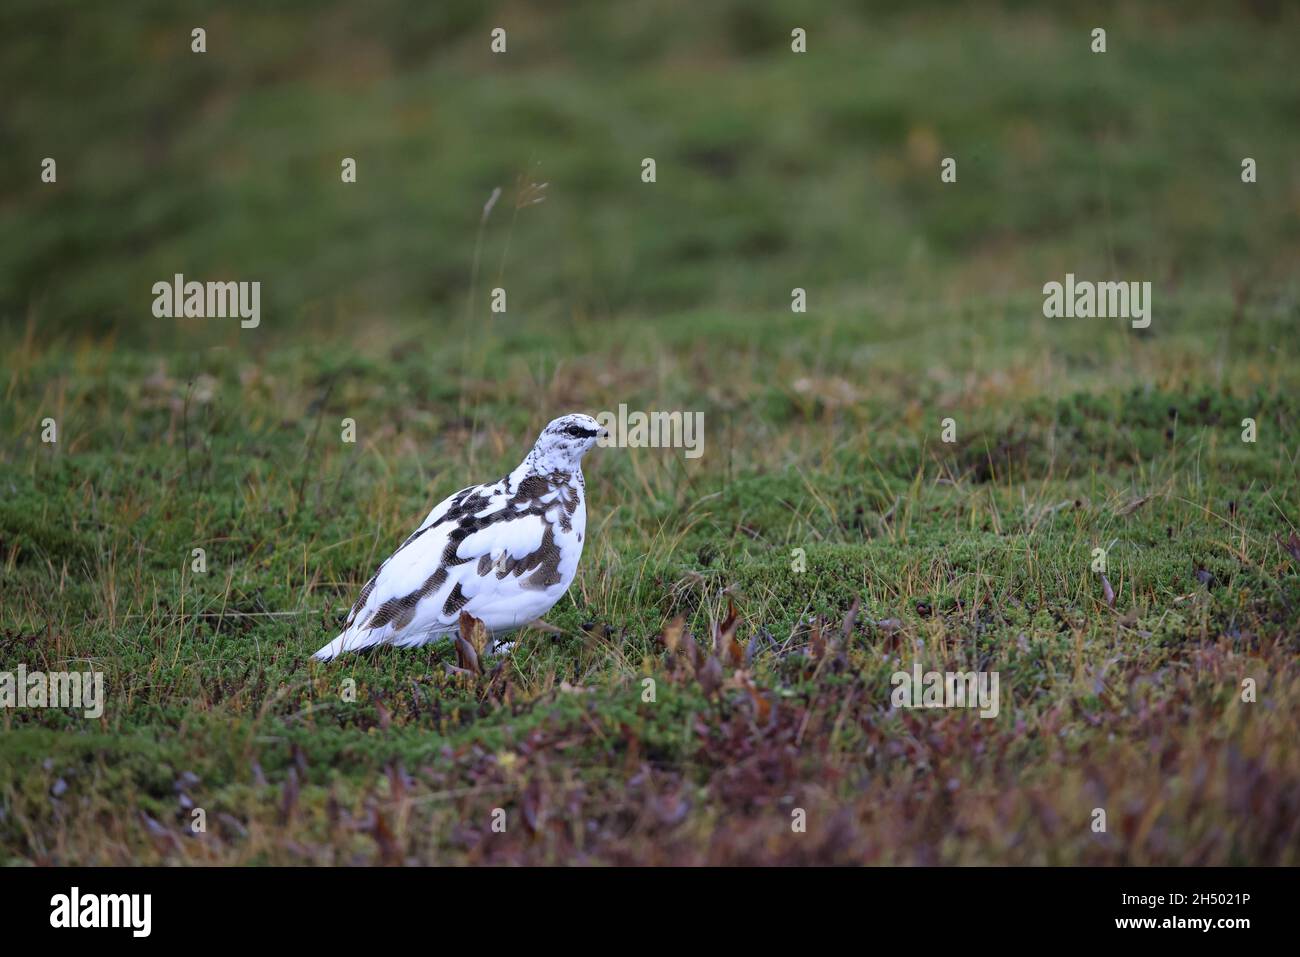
<point x="504" y="552"/>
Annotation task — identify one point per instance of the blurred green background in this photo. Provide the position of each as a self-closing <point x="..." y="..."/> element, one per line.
<point x="775" y="170"/>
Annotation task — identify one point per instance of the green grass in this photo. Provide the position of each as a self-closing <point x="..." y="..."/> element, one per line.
<point x="822" y="433"/>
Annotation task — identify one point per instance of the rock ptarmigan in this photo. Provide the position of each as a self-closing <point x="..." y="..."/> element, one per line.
<point x="504" y="552"/>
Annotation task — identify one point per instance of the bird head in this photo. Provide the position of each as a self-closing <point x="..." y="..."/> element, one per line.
<point x="565" y="441"/>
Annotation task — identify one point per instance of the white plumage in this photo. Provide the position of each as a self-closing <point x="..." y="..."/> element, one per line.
<point x="504" y="552"/>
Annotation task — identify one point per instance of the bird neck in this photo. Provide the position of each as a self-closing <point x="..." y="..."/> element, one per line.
<point x="554" y="474"/>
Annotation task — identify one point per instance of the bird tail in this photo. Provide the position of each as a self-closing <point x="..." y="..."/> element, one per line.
<point x="345" y="642"/>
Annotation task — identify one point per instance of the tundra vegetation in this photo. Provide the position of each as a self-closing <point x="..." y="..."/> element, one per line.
<point x="920" y="468"/>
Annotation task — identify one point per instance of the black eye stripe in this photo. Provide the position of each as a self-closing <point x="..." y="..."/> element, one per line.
<point x="579" y="432"/>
